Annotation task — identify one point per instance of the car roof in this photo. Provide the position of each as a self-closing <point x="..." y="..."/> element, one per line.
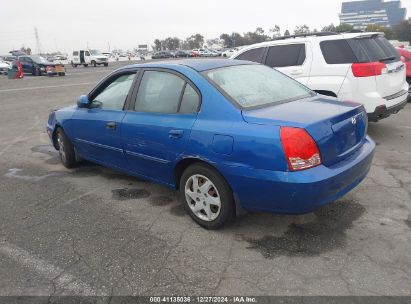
<point x="199" y="65"/>
<point x="309" y="37"/>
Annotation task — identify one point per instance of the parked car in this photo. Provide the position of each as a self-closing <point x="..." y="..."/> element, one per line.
<point x="162" y="55"/>
<point x="228" y="53"/>
<point x="363" y="67"/>
<point x="230" y="135"/>
<point x="406" y="56"/>
<point x="8" y="58"/>
<point x="37" y="66"/>
<point x="216" y="53"/>
<point x="4" y="67"/>
<point x="88" y="57"/>
<point x="207" y="53"/>
<point x="182" y="53"/>
<point x="195" y="53"/>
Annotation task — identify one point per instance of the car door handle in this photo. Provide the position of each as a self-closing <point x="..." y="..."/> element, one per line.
<point x="111" y="125"/>
<point x="175" y="133"/>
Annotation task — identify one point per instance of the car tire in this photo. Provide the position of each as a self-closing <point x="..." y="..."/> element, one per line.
<point x="62" y="74"/>
<point x="85" y="65"/>
<point x="66" y="149"/>
<point x="211" y="207"/>
<point x="106" y="64"/>
<point x="36" y="71"/>
<point x="93" y="63"/>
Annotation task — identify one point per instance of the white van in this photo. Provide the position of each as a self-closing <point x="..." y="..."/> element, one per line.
<point x="86" y="57"/>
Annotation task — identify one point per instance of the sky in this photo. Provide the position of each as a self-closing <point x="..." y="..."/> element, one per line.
<point x="123" y="24"/>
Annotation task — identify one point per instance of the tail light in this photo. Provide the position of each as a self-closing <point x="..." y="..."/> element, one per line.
<point x="300" y="149"/>
<point x="49" y="68"/>
<point x="368" y="69"/>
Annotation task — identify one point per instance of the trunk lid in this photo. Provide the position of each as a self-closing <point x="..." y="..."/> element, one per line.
<point x="338" y="128"/>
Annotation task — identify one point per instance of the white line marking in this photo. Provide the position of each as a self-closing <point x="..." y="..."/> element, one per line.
<point x="13" y="173"/>
<point x="47" y="87"/>
<point x="62" y="280"/>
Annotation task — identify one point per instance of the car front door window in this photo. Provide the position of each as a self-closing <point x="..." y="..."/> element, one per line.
<point x="115" y="94"/>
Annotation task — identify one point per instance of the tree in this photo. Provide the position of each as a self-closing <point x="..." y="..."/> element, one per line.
<point x="211" y="42"/>
<point x="228" y="43"/>
<point x="252" y="37"/>
<point x="171" y="43"/>
<point x="194" y="42"/>
<point x="329" y="28"/>
<point x="275" y="31"/>
<point x="344" y="27"/>
<point x="403" y="31"/>
<point x="25" y="50"/>
<point x="157" y="45"/>
<point x="199" y="40"/>
<point x="389" y="34"/>
<point x="301" y="29"/>
<point x="287" y="33"/>
<point x="259" y="31"/>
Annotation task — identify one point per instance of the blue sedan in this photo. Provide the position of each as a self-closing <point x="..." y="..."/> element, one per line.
<point x="230" y="135"/>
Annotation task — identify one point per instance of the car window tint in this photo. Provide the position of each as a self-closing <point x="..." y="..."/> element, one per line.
<point x="285" y="55"/>
<point x="190" y="101"/>
<point x="255" y="55"/>
<point x="115" y="94"/>
<point x="75" y="53"/>
<point x="376" y="48"/>
<point x="87" y="53"/>
<point x="159" y="92"/>
<point x="337" y="52"/>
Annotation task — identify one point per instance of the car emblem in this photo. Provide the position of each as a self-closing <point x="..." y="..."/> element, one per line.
<point x="354" y="120"/>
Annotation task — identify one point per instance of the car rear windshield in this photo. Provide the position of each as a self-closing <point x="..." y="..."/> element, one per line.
<point x="255" y="86"/>
<point x="375" y="48"/>
<point x="362" y="49"/>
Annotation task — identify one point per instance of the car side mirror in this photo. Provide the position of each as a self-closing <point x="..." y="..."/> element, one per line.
<point x="83" y="101"/>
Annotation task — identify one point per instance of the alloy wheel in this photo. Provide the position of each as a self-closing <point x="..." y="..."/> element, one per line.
<point x="62" y="152"/>
<point x="202" y="197"/>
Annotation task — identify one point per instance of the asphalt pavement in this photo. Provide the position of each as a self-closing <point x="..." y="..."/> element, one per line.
<point x="94" y="231"/>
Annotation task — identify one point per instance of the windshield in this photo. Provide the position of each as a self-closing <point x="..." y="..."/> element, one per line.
<point x="38" y="59"/>
<point x="95" y="52"/>
<point x="253" y="86"/>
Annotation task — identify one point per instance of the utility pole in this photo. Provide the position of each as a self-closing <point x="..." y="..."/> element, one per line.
<point x="38" y="45"/>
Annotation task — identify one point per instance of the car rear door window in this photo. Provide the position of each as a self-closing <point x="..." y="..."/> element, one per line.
<point x="255" y="55"/>
<point x="286" y="55"/>
<point x="190" y="101"/>
<point x="159" y="92"/>
<point x="113" y="96"/>
<point x="75" y="53"/>
<point x="337" y="52"/>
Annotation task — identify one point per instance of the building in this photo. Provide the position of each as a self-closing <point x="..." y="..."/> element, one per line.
<point x="362" y="13"/>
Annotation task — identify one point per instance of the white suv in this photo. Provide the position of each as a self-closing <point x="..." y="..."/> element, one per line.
<point x="361" y="67"/>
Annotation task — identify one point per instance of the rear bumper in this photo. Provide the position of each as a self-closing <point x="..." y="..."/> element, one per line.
<point x="299" y="192"/>
<point x="383" y="112"/>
